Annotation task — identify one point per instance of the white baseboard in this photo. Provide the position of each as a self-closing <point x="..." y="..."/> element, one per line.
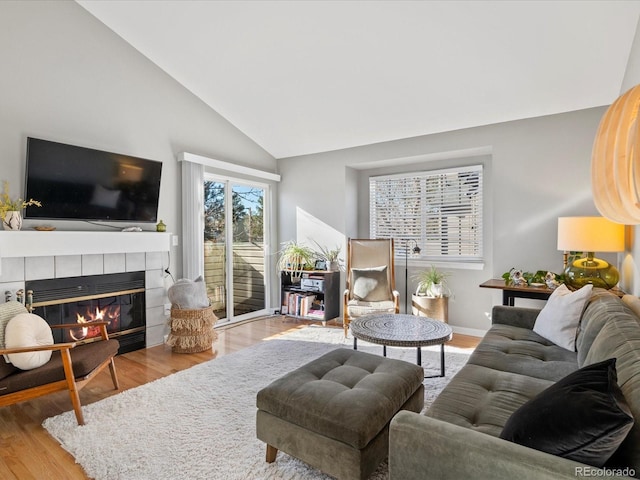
<point x="474" y="332"/>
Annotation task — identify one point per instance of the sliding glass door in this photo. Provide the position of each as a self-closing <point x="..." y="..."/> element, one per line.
<point x="234" y="247"/>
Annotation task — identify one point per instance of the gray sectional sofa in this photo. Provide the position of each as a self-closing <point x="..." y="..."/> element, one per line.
<point x="459" y="435"/>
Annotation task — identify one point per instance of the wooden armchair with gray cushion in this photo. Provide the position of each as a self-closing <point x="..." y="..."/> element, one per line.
<point x="31" y="365"/>
<point x="370" y="283"/>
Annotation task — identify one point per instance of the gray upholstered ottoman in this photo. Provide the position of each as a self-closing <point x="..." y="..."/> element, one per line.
<point x="334" y="412"/>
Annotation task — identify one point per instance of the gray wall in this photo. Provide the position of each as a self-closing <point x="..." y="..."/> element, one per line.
<point x="537" y="170"/>
<point x="66" y="77"/>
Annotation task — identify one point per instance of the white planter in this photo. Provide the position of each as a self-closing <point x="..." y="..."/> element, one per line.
<point x="12" y="220"/>
<point x="333" y="266"/>
<point x="436" y="308"/>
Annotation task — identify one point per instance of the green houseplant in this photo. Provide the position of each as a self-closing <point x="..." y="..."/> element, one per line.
<point x="432" y="283"/>
<point x="295" y="258"/>
<point x="330" y="256"/>
<point x="432" y="295"/>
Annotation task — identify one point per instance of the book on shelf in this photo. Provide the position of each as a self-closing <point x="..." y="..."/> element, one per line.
<point x="297" y="303"/>
<point x="315" y="313"/>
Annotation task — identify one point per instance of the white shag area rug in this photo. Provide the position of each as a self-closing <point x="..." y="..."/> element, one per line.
<point x="200" y="423"/>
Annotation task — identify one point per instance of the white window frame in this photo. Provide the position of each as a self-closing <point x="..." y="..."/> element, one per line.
<point x="411" y="213"/>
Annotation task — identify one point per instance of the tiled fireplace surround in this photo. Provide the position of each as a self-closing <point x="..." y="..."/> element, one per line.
<point x="30" y="255"/>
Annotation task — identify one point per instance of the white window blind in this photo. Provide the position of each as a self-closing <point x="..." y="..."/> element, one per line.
<point x="440" y="210"/>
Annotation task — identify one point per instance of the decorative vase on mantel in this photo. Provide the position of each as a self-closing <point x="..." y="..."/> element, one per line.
<point x="12" y="220"/>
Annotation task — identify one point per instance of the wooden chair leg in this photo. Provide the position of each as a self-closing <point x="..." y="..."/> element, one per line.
<point x="71" y="384"/>
<point x="271" y="453"/>
<point x="114" y="377"/>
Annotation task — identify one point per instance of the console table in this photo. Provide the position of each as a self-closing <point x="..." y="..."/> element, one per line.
<point x="511" y="292"/>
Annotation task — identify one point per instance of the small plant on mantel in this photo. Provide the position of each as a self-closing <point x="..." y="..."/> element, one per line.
<point x="13" y="205"/>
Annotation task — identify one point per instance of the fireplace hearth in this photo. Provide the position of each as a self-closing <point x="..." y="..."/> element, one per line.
<point x="117" y="298"/>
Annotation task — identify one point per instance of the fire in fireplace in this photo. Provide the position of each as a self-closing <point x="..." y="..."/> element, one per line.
<point x="118" y="299"/>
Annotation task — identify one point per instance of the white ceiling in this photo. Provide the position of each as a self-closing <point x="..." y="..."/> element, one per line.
<point x="302" y="77"/>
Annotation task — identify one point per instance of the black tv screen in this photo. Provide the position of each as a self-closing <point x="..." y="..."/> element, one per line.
<point x="77" y="183"/>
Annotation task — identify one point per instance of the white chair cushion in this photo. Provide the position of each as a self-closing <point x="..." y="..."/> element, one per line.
<point x="358" y="308"/>
<point x="28" y="330"/>
<point x="558" y="320"/>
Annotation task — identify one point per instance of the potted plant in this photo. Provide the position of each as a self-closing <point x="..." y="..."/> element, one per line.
<point x="295" y="258"/>
<point x="432" y="295"/>
<point x="11" y="210"/>
<point x="330" y="257"/>
<point x="431" y="283"/>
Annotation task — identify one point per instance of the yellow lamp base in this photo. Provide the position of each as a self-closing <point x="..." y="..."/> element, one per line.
<point x="590" y="270"/>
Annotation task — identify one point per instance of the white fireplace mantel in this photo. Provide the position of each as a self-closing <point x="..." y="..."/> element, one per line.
<point x="31" y="243"/>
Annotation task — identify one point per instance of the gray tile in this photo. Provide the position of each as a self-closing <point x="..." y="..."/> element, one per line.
<point x="38" y="268"/>
<point x="156" y="297"/>
<point x="12" y="269"/>
<point x="93" y="264"/>
<point x="154" y="279"/>
<point x="136" y="262"/>
<point x="155" y="260"/>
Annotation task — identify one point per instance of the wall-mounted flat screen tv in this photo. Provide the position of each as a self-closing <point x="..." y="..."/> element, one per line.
<point x="77" y="183"/>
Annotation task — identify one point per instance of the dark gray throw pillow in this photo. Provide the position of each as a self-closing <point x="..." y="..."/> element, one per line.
<point x="370" y="284"/>
<point x="583" y="417"/>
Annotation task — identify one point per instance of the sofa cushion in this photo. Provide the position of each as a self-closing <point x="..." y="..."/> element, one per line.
<point x="519" y="350"/>
<point x="28" y="330"/>
<point x="619" y="338"/>
<point x="633" y="303"/>
<point x="370" y="284"/>
<point x="602" y="307"/>
<point x="483" y="399"/>
<point x="558" y="320"/>
<point x="583" y="417"/>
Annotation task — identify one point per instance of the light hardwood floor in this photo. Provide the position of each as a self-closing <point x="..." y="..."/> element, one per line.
<point x="28" y="452"/>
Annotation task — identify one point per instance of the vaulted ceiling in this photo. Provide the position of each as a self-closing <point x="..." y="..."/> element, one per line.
<point x="301" y="77"/>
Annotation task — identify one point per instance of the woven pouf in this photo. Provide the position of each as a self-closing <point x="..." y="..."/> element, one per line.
<point x="192" y="330"/>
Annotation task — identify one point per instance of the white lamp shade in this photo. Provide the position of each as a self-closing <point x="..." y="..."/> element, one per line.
<point x="590" y="234"/>
<point x="615" y="161"/>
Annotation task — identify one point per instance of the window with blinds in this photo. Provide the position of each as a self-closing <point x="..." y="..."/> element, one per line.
<point x="441" y="210"/>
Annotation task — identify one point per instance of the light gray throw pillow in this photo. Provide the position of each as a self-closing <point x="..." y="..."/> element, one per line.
<point x="370" y="284"/>
<point x="188" y="294"/>
<point x="558" y="320"/>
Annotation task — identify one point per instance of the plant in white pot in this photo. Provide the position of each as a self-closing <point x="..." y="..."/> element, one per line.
<point x="432" y="295"/>
<point x="432" y="283"/>
<point x="331" y="257"/>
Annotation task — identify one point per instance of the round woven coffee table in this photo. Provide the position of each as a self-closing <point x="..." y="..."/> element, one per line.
<point x="401" y="330"/>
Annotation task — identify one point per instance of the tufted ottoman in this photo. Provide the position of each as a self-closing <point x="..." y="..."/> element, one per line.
<point x="334" y="412"/>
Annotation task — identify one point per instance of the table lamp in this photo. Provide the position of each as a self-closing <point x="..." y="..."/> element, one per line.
<point x="590" y="234"/>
